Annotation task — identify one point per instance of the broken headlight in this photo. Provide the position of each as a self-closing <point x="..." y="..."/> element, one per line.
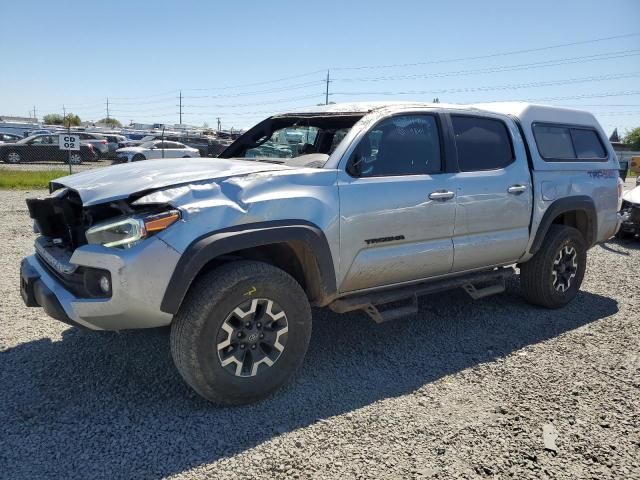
<point x="127" y="232"/>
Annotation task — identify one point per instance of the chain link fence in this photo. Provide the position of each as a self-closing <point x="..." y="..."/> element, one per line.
<point x="43" y="152"/>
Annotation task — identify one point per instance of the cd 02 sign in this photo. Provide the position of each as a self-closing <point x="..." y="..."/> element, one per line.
<point x="69" y="142"/>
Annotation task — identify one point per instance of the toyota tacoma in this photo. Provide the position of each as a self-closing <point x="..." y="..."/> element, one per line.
<point x="361" y="206"/>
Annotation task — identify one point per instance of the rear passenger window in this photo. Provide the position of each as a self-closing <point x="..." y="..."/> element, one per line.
<point x="567" y="143"/>
<point x="482" y="143"/>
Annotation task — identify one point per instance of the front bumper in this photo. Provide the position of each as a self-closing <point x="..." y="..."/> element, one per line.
<point x="139" y="277"/>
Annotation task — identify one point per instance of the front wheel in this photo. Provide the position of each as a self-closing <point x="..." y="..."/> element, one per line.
<point x="553" y="276"/>
<point x="138" y="158"/>
<point x="13" y="157"/>
<point x="241" y="332"/>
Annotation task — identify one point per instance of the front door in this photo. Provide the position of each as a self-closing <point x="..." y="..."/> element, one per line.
<point x="397" y="207"/>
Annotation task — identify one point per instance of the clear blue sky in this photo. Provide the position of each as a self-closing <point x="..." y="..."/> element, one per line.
<point x="140" y="53"/>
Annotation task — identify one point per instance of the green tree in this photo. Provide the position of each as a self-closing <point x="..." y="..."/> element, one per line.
<point x="110" y="121"/>
<point x="55" y="119"/>
<point x="71" y="120"/>
<point x="52" y="119"/>
<point x="633" y="138"/>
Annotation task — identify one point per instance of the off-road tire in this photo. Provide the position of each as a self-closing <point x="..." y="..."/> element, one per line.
<point x="209" y="302"/>
<point x="536" y="275"/>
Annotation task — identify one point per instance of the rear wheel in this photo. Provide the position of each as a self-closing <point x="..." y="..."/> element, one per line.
<point x="553" y="276"/>
<point x="13" y="157"/>
<point x="138" y="157"/>
<point x="241" y="332"/>
<point x="75" y="158"/>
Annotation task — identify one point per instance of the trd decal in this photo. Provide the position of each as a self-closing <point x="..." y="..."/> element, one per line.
<point x="603" y="173"/>
<point x="384" y="239"/>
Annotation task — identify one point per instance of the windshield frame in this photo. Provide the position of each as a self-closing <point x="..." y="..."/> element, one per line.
<point x="325" y="122"/>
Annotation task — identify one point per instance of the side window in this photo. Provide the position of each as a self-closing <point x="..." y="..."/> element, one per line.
<point x="568" y="143"/>
<point x="482" y="143"/>
<point x="587" y="144"/>
<point x="554" y="142"/>
<point x="401" y="145"/>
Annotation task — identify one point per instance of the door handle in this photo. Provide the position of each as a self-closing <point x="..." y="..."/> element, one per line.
<point x="517" y="189"/>
<point x="441" y="195"/>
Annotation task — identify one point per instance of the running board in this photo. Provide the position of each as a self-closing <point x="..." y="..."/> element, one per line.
<point x="493" y="281"/>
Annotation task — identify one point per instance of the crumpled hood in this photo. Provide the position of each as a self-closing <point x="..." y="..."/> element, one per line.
<point x="120" y="181"/>
<point x="632" y="196"/>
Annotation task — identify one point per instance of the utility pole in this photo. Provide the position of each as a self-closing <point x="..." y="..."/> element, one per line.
<point x="107" y="109"/>
<point x="219" y="124"/>
<point x="35" y="118"/>
<point x="326" y="97"/>
<point x="64" y="115"/>
<point x="180" y="100"/>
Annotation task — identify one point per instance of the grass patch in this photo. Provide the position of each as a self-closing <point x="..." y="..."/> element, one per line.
<point x="16" y="179"/>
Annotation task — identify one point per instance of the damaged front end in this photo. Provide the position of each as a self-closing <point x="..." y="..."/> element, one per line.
<point x="86" y="271"/>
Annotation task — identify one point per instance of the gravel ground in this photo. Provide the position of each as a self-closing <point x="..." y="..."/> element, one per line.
<point x="463" y="390"/>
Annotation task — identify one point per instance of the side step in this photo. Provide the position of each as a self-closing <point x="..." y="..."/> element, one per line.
<point x="493" y="282"/>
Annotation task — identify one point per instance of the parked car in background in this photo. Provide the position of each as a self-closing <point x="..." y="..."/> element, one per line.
<point x="39" y="132"/>
<point x="9" y="138"/>
<point x="208" y="146"/>
<point x="44" y="148"/>
<point x="631" y="213"/>
<point x="98" y="141"/>
<point x="155" y="149"/>
<point x="114" y="142"/>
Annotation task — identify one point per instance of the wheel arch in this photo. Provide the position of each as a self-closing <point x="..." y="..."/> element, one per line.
<point x="578" y="212"/>
<point x="299" y="248"/>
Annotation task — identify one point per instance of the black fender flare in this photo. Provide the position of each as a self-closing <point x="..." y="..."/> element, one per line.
<point x="221" y="242"/>
<point x="564" y="205"/>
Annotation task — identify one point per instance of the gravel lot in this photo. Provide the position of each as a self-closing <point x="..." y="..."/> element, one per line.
<point x="464" y="390"/>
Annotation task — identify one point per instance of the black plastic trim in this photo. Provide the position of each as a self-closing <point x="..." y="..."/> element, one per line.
<point x="564" y="205"/>
<point x="229" y="240"/>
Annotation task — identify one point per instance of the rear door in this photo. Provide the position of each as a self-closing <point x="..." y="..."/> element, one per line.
<point x="493" y="190"/>
<point x="397" y="205"/>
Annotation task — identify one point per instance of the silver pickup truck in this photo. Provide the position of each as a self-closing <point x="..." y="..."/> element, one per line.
<point x="350" y="206"/>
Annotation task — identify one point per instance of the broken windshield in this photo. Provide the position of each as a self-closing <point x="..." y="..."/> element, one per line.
<point x="283" y="138"/>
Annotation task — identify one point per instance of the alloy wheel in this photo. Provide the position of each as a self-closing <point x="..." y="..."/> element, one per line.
<point x="13" y="157"/>
<point x="252" y="337"/>
<point x="565" y="267"/>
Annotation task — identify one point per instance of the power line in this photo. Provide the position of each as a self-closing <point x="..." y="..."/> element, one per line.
<point x="506" y="68"/>
<point x="513" y="86"/>
<point x="270" y="102"/>
<point x="260" y="92"/>
<point x="585" y="96"/>
<point x="491" y="55"/>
